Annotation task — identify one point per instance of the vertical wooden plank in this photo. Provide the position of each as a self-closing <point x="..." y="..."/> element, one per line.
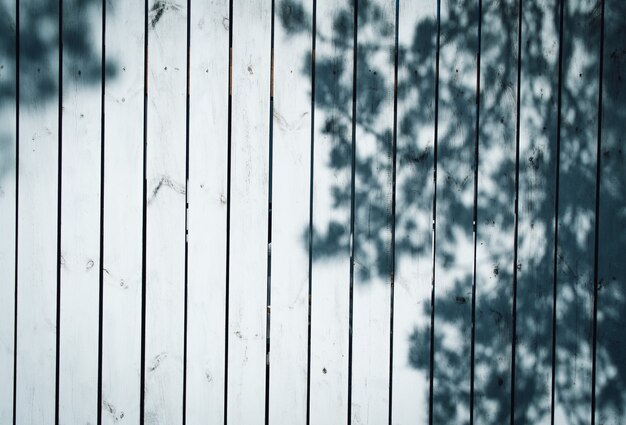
<point x="611" y="350"/>
<point x="495" y="211"/>
<point x="417" y="34"/>
<point x="576" y="221"/>
<point x="454" y="252"/>
<point x="248" y="212"/>
<point x="208" y="161"/>
<point x="37" y="224"/>
<point x="372" y="212"/>
<point x="123" y="212"/>
<point x="166" y="210"/>
<point x="80" y="212"/>
<point x="330" y="274"/>
<point x="8" y="175"/>
<point x="291" y="181"/>
<point x="537" y="190"/>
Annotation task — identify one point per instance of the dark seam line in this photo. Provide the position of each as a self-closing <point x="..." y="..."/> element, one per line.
<point x="352" y="205"/>
<point x="17" y="191"/>
<point x="310" y="234"/>
<point x="228" y="187"/>
<point x="59" y="198"/>
<point x="475" y="214"/>
<point x="101" y="260"/>
<point x="185" y="313"/>
<point x="144" y="224"/>
<point x="268" y="307"/>
<point x="434" y="223"/>
<point x="597" y="225"/>
<point x="516" y="225"/>
<point x="556" y="211"/>
<point x="394" y="149"/>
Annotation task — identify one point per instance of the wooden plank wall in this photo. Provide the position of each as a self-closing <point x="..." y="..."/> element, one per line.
<point x="312" y="212"/>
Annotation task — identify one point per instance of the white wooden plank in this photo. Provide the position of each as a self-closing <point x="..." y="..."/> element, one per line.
<point x="248" y="212"/>
<point x="579" y="126"/>
<point x="37" y="224"/>
<point x="331" y="212"/>
<point x="80" y="213"/>
<point x="611" y="350"/>
<point x="417" y="32"/>
<point x="291" y="167"/>
<point x="8" y="175"/>
<point x="373" y="212"/>
<point x="123" y="212"/>
<point x="454" y="251"/>
<point x="496" y="211"/>
<point x="537" y="189"/>
<point x="208" y="162"/>
<point x="166" y="210"/>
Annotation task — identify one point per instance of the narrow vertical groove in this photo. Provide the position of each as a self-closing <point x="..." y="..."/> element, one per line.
<point x="394" y="154"/>
<point x="101" y="259"/>
<point x="516" y="223"/>
<point x="561" y="4"/>
<point x="268" y="307"/>
<point x="17" y="197"/>
<point x="434" y="223"/>
<point x="59" y="187"/>
<point x="352" y="204"/>
<point x="186" y="283"/>
<point x="597" y="225"/>
<point x="475" y="214"/>
<point x="228" y="191"/>
<point x="144" y="235"/>
<point x="310" y="230"/>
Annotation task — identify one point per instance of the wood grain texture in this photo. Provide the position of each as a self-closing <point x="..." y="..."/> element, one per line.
<point x="166" y="211"/>
<point x="80" y="213"/>
<point x="575" y="262"/>
<point x="417" y="33"/>
<point x="208" y="162"/>
<point x="537" y="193"/>
<point x="611" y="350"/>
<point x="38" y="202"/>
<point x="291" y="183"/>
<point x="8" y="187"/>
<point x="330" y="278"/>
<point x="249" y="212"/>
<point x="373" y="219"/>
<point x="123" y="212"/>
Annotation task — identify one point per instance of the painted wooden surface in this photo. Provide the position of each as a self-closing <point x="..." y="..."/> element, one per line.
<point x="123" y="212"/>
<point x="207" y="196"/>
<point x="417" y="34"/>
<point x="8" y="187"/>
<point x="304" y="212"/>
<point x="80" y="214"/>
<point x="249" y="193"/>
<point x="290" y="201"/>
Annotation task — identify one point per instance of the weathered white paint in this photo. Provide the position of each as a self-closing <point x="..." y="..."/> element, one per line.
<point x="166" y="211"/>
<point x="496" y="211"/>
<point x="8" y="151"/>
<point x="123" y="212"/>
<point x="208" y="166"/>
<point x="37" y="224"/>
<point x="291" y="173"/>
<point x="454" y="253"/>
<point x="373" y="216"/>
<point x="80" y="215"/>
<point x="537" y="184"/>
<point x="248" y="212"/>
<point x="331" y="273"/>
<point x="414" y="199"/>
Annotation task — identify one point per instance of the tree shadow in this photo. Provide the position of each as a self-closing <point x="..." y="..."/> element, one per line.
<point x="496" y="180"/>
